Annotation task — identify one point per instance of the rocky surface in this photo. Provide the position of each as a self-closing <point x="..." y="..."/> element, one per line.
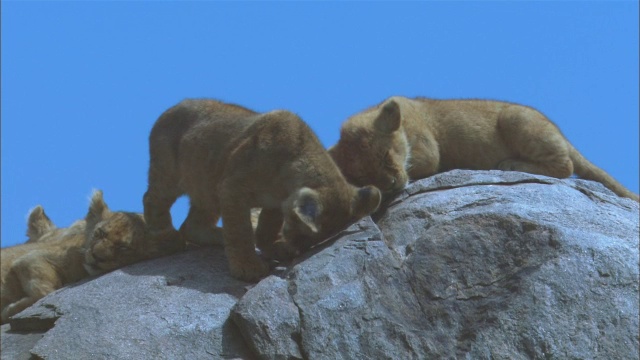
<point x="476" y="265"/>
<point x="169" y="308"/>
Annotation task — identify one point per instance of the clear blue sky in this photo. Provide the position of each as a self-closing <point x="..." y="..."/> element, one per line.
<point x="83" y="82"/>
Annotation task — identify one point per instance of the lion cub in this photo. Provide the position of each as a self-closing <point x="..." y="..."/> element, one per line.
<point x="101" y="242"/>
<point x="41" y="229"/>
<point x="229" y="159"/>
<point x="402" y="139"/>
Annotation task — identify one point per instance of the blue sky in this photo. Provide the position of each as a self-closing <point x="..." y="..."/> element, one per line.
<point x="83" y="82"/>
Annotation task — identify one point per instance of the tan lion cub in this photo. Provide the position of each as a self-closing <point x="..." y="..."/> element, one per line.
<point x="41" y="229"/>
<point x="229" y="159"/>
<point x="102" y="242"/>
<point x="403" y="139"/>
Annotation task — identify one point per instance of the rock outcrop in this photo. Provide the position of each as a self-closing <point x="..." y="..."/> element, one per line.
<point x="465" y="264"/>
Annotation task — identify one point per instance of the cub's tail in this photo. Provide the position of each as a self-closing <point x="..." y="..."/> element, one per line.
<point x="586" y="170"/>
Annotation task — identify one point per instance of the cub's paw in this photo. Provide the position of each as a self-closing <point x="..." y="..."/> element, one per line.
<point x="9" y="311"/>
<point x="250" y="270"/>
<point x="4" y="318"/>
<point x="513" y="165"/>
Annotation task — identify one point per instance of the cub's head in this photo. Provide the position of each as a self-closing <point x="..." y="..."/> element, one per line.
<point x="313" y="215"/>
<point x="373" y="149"/>
<point x="113" y="239"/>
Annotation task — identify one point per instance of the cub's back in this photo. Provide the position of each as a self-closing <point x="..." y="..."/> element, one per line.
<point x="213" y="124"/>
<point x="191" y="117"/>
<point x="188" y="139"/>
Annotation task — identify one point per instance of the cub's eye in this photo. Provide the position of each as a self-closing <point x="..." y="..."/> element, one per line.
<point x="122" y="248"/>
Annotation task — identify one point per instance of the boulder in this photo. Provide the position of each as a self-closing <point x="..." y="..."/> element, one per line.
<point x="478" y="265"/>
<point x="169" y="308"/>
<point x="465" y="264"/>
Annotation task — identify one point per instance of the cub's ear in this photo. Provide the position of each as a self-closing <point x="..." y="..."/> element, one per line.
<point x="98" y="209"/>
<point x="307" y="208"/>
<point x="389" y="119"/>
<point x="38" y="223"/>
<point x="366" y="201"/>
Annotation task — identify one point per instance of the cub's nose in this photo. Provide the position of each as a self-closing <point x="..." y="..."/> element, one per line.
<point x="397" y="185"/>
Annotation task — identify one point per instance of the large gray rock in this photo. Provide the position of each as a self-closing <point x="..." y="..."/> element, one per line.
<point x="465" y="264"/>
<point x="16" y="345"/>
<point x="169" y="308"/>
<point x="476" y="265"/>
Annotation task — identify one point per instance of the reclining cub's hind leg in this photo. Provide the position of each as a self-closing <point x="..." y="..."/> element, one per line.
<point x="33" y="280"/>
<point x="10" y="293"/>
<point x="34" y="292"/>
<point x="536" y="144"/>
<point x="200" y="226"/>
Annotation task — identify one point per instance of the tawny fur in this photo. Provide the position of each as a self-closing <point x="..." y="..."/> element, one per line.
<point x="229" y="159"/>
<point x="402" y="139"/>
<point x="101" y="242"/>
<point x="41" y="229"/>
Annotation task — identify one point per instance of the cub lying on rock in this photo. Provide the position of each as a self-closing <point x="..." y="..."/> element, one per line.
<point x="229" y="159"/>
<point x="102" y="242"/>
<point x="41" y="229"/>
<point x="402" y="139"/>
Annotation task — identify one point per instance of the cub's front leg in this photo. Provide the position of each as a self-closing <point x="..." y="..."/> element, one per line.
<point x="269" y="225"/>
<point x="423" y="158"/>
<point x="269" y="236"/>
<point x="238" y="235"/>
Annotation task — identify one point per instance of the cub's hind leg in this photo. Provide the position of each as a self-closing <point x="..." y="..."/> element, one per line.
<point x="160" y="196"/>
<point x="162" y="193"/>
<point x="10" y="293"/>
<point x="535" y="143"/>
<point x="31" y="278"/>
<point x="200" y="225"/>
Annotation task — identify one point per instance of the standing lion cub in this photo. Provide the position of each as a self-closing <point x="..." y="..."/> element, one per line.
<point x="229" y="159"/>
<point x="402" y="139"/>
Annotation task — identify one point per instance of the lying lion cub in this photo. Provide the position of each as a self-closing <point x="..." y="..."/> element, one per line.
<point x="403" y="139"/>
<point x="229" y="159"/>
<point x="102" y="242"/>
<point x="41" y="229"/>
